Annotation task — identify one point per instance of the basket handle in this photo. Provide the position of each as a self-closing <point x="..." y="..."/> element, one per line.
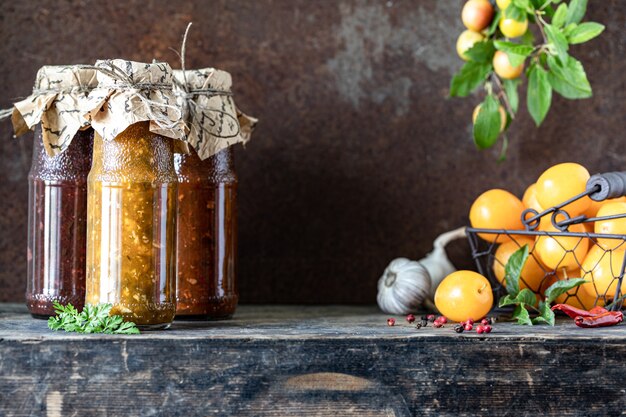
<point x="608" y="185"/>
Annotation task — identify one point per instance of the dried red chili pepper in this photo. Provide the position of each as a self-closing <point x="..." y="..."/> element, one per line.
<point x="598" y="310"/>
<point x="609" y="318"/>
<point x="573" y="312"/>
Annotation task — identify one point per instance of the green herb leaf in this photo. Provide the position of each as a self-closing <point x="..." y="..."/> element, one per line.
<point x="487" y="125"/>
<point x="558" y="20"/>
<point x="513" y="269"/>
<point x="558" y="41"/>
<point x="471" y="75"/>
<point x="568" y="78"/>
<point x="546" y="315"/>
<point x="516" y="52"/>
<point x="561" y="287"/>
<point x="521" y="315"/>
<point x="510" y="88"/>
<point x="539" y="95"/>
<point x="481" y="52"/>
<point x="585" y="32"/>
<point x="93" y="319"/>
<point x="576" y="11"/>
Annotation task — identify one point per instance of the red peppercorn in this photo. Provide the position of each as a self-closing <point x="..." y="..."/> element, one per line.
<point x="430" y="317"/>
<point x="484" y="322"/>
<point x="480" y="329"/>
<point x="487" y="329"/>
<point x="437" y="324"/>
<point x="442" y="319"/>
<point x="470" y="321"/>
<point x="468" y="326"/>
<point x="410" y="318"/>
<point x="391" y="322"/>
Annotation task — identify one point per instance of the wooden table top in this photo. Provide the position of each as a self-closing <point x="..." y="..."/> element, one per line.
<point x="311" y="361"/>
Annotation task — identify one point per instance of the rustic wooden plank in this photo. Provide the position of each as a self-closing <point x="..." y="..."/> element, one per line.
<point x="320" y="361"/>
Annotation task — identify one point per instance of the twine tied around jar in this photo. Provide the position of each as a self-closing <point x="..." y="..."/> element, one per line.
<point x="56" y="102"/>
<point x="211" y="116"/>
<point x="129" y="92"/>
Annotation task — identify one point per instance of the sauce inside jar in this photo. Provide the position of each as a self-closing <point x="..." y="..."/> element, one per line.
<point x="206" y="236"/>
<point x="57" y="220"/>
<point x="131" y="255"/>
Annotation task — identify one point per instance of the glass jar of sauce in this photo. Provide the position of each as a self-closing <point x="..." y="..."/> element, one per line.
<point x="57" y="219"/>
<point x="207" y="236"/>
<point x="131" y="226"/>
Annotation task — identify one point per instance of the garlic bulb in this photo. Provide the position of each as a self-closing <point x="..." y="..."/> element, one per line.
<point x="407" y="285"/>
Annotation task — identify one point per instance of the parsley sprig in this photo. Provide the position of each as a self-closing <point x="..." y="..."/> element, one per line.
<point x="93" y="319"/>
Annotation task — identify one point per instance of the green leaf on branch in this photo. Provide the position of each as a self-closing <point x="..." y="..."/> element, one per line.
<point x="539" y="94"/>
<point x="471" y="75"/>
<point x="521" y="315"/>
<point x="567" y="31"/>
<point x="546" y="315"/>
<point x="510" y="88"/>
<point x="558" y="41"/>
<point x="558" y="20"/>
<point x="585" y="32"/>
<point x="561" y="287"/>
<point x="516" y="52"/>
<point x="576" y="11"/>
<point x="513" y="269"/>
<point x="515" y="12"/>
<point x="487" y="124"/>
<point x="481" y="52"/>
<point x="568" y="78"/>
<point x="525" y="296"/>
<point x="494" y="23"/>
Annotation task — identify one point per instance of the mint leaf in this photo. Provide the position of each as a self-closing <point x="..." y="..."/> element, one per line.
<point x="539" y="94"/>
<point x="546" y="315"/>
<point x="510" y="88"/>
<point x="516" y="52"/>
<point x="513" y="269"/>
<point x="568" y="78"/>
<point x="521" y="315"/>
<point x="576" y="11"/>
<point x="558" y="40"/>
<point x="487" y="125"/>
<point x="481" y="52"/>
<point x="558" y="20"/>
<point x="561" y="287"/>
<point x="471" y="75"/>
<point x="585" y="32"/>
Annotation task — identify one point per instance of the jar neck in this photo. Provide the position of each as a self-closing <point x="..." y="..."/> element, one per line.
<point x="218" y="168"/>
<point x="72" y="164"/>
<point x="135" y="155"/>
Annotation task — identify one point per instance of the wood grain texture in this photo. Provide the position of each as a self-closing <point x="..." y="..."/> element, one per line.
<point x="313" y="361"/>
<point x="359" y="156"/>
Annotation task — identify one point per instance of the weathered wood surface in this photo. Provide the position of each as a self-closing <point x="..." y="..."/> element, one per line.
<point x="312" y="361"/>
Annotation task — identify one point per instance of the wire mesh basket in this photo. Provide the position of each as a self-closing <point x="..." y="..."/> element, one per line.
<point x="577" y="251"/>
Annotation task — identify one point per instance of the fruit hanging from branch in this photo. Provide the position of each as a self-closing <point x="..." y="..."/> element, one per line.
<point x="499" y="47"/>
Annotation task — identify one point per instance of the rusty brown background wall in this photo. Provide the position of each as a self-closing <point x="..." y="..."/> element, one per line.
<point x="359" y="156"/>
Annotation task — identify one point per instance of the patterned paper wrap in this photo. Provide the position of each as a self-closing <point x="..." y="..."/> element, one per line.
<point x="129" y="92"/>
<point x="58" y="101"/>
<point x="213" y="120"/>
